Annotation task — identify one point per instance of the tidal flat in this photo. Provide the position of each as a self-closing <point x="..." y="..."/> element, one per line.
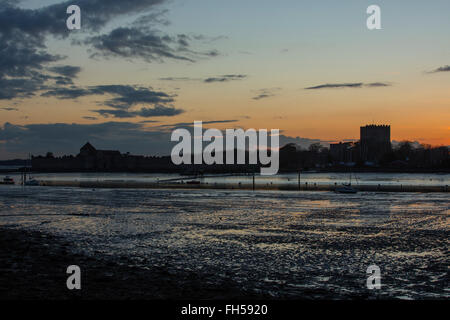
<point x="219" y="244"/>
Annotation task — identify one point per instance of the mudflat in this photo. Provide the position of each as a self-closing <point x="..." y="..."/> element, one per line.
<point x="33" y="266"/>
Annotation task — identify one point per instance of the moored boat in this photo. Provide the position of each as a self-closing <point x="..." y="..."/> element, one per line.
<point x="7" y="180"/>
<point x="32" y="182"/>
<point x="346" y="188"/>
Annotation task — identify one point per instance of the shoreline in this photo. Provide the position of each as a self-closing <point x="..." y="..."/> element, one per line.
<point x="248" y="172"/>
<point x="244" y="186"/>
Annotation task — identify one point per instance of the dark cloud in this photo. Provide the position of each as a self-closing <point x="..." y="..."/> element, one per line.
<point x="156" y="111"/>
<point x="90" y="118"/>
<point x="179" y="79"/>
<point x="207" y="39"/>
<point x="143" y="40"/>
<point x="149" y="45"/>
<point x="212" y="53"/>
<point x="157" y="17"/>
<point x="67" y="93"/>
<point x="124" y="98"/>
<point x="225" y="78"/>
<point x="23" y="34"/>
<point x="9" y="109"/>
<point x="52" y="19"/>
<point x="441" y="69"/>
<point x="191" y="124"/>
<point x="377" y="84"/>
<point x="66" y="71"/>
<point x="148" y="121"/>
<point x="25" y="60"/>
<point x="18" y="87"/>
<point x="220" y="78"/>
<point x="262" y="96"/>
<point x="266" y="93"/>
<point x="21" y="67"/>
<point x="21" y="55"/>
<point x="114" y="113"/>
<point x="336" y="85"/>
<point x="128" y="96"/>
<point x="219" y="121"/>
<point x="349" y="85"/>
<point x="22" y="58"/>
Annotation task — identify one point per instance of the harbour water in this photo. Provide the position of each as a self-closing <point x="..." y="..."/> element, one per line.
<point x="280" y="244"/>
<point x="429" y="179"/>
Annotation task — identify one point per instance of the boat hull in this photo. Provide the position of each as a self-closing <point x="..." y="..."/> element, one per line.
<point x="346" y="190"/>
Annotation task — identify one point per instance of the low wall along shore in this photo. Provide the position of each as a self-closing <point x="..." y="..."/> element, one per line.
<point x="242" y="186"/>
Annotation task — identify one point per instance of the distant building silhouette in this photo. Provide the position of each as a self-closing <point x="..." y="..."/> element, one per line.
<point x="100" y="159"/>
<point x="372" y="151"/>
<point x="94" y="160"/>
<point x="343" y="152"/>
<point x="91" y="159"/>
<point x="375" y="142"/>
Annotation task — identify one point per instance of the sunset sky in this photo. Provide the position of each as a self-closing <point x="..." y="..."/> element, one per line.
<point x="137" y="69"/>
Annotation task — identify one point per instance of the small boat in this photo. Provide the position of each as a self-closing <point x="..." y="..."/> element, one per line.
<point x="7" y="180"/>
<point x="346" y="188"/>
<point x="193" y="182"/>
<point x="32" y="182"/>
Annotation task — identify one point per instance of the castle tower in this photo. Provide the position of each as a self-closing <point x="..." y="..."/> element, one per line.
<point x="375" y="141"/>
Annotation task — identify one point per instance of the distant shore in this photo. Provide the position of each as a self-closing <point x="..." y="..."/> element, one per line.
<point x="243" y="186"/>
<point x="282" y="171"/>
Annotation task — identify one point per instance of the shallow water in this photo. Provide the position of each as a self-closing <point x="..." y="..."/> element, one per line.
<point x="431" y="179"/>
<point x="284" y="244"/>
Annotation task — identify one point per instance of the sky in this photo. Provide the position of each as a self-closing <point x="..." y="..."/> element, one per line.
<point x="138" y="69"/>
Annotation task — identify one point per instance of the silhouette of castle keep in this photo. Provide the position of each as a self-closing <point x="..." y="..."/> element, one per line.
<point x="100" y="159"/>
<point x="375" y="141"/>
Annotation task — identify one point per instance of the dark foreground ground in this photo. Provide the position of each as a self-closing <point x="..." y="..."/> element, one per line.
<point x="33" y="266"/>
